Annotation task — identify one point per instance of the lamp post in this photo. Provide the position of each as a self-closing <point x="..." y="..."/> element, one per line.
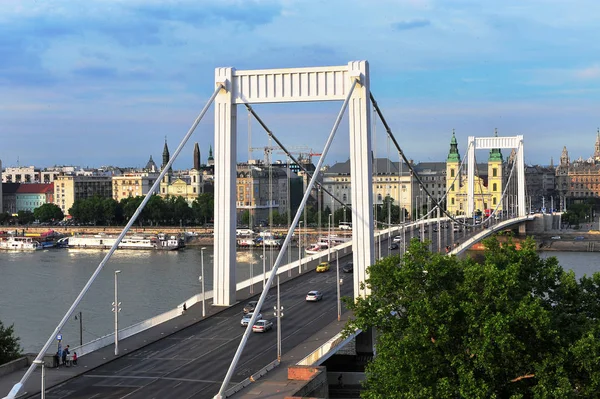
<point x="80" y="318"/>
<point x="329" y="238"/>
<point x="300" y="247"/>
<point x="116" y="309"/>
<point x="337" y="269"/>
<point x="43" y="391"/>
<point x="202" y="281"/>
<point x="279" y="314"/>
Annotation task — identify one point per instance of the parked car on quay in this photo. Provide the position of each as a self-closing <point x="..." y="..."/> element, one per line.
<point x="348" y="267"/>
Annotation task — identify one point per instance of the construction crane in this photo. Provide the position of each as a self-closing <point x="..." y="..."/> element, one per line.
<point x="270" y="150"/>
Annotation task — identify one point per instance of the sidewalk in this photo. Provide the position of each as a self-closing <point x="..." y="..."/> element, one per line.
<point x="56" y="376"/>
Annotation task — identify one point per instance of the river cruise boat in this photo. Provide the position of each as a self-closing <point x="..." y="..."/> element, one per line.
<point x="150" y="242"/>
<point x="20" y="244"/>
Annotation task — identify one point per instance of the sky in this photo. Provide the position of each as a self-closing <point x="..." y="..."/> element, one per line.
<point x="105" y="82"/>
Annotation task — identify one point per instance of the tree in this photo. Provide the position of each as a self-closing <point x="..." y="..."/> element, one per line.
<point x="48" y="212"/>
<point x="515" y="326"/>
<point x="9" y="344"/>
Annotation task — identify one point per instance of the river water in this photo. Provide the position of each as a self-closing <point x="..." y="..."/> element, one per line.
<point x="37" y="288"/>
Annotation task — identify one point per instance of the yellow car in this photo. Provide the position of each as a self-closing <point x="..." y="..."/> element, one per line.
<point x="323" y="267"/>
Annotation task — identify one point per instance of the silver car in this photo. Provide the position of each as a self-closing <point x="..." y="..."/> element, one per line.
<point x="314" y="296"/>
<point x="262" y="326"/>
<point x="247" y="317"/>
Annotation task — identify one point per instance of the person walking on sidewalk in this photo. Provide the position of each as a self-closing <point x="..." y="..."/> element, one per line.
<point x="64" y="355"/>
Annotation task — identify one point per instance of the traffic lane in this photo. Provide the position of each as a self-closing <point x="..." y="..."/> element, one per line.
<point x="150" y="372"/>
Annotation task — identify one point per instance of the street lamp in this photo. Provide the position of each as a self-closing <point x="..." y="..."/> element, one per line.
<point x="337" y="269"/>
<point x="300" y="247"/>
<point x="279" y="314"/>
<point x="41" y="362"/>
<point x="202" y="281"/>
<point x="329" y="238"/>
<point x="116" y="308"/>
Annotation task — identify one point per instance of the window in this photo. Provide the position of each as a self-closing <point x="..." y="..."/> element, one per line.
<point x="495" y="172"/>
<point x="451" y="172"/>
<point x="495" y="187"/>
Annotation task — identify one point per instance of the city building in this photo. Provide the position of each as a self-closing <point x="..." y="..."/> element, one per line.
<point x="132" y="184"/>
<point x="188" y="185"/>
<point x="262" y="189"/>
<point x="9" y="197"/>
<point x="578" y="181"/>
<point x="488" y="182"/>
<point x="389" y="179"/>
<point x="33" y="195"/>
<point x="69" y="188"/>
<point x="21" y="174"/>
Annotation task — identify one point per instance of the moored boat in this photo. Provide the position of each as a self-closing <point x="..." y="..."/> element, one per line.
<point x="20" y="244"/>
<point x="103" y="241"/>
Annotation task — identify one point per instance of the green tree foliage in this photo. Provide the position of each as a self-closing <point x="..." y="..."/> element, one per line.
<point x="204" y="208"/>
<point x="25" y="217"/>
<point x="9" y="344"/>
<point x="48" y="212"/>
<point x="516" y="326"/>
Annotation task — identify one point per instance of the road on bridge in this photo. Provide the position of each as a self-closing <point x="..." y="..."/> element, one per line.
<point x="192" y="363"/>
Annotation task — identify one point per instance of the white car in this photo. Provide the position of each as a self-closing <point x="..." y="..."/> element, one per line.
<point x="247" y="317"/>
<point x="262" y="326"/>
<point x="314" y="296"/>
<point x="397" y="239"/>
<point x="556" y="237"/>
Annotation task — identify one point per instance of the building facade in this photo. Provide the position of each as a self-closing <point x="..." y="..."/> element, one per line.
<point x="70" y="188"/>
<point x="187" y="185"/>
<point x="488" y="182"/>
<point x="33" y="195"/>
<point x="578" y="181"/>
<point x="261" y="189"/>
<point x="132" y="185"/>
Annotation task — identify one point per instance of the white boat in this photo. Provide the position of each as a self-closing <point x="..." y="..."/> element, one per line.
<point x="103" y="241"/>
<point x="316" y="248"/>
<point x="20" y="244"/>
<point x="324" y="242"/>
<point x="246" y="242"/>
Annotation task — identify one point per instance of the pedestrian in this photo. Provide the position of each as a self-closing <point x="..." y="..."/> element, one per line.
<point x="341" y="381"/>
<point x="184" y="307"/>
<point x="75" y="358"/>
<point x="64" y="355"/>
<point x="55" y="360"/>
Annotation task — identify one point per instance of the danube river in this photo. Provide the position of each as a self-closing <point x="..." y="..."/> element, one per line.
<point x="37" y="288"/>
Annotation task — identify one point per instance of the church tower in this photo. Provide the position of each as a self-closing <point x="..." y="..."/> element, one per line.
<point x="564" y="158"/>
<point x="164" y="184"/>
<point x="495" y="162"/>
<point x="211" y="160"/>
<point x="453" y="177"/>
<point x="597" y="148"/>
<point x="195" y="173"/>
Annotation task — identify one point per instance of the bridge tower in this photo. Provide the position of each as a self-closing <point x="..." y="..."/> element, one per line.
<point x="291" y="85"/>
<point x="494" y="144"/>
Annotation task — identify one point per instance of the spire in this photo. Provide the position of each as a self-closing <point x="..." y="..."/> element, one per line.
<point x="166" y="157"/>
<point x="495" y="153"/>
<point x="564" y="157"/>
<point x="453" y="155"/>
<point x="196" y="156"/>
<point x="597" y="147"/>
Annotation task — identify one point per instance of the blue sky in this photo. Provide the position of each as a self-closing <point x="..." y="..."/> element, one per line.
<point x="103" y="82"/>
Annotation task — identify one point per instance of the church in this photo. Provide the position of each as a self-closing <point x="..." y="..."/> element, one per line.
<point x="188" y="184"/>
<point x="488" y="181"/>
